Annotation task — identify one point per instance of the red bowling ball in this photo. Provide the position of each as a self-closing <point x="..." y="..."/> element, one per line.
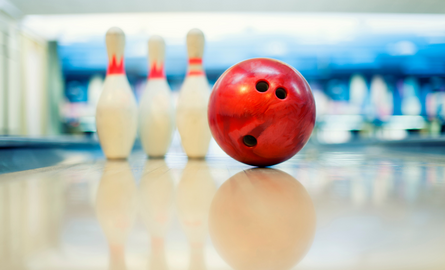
<point x="261" y="111"/>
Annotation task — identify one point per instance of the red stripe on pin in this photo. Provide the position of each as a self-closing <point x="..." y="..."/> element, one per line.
<point x="156" y="72"/>
<point x="114" y="67"/>
<point x="195" y="61"/>
<point x="195" y="73"/>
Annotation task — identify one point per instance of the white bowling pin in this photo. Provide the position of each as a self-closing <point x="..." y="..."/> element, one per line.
<point x="381" y="98"/>
<point x="358" y="90"/>
<point x="95" y="86"/>
<point x="194" y="95"/>
<point x="156" y="111"/>
<point x="410" y="100"/>
<point x="116" y="113"/>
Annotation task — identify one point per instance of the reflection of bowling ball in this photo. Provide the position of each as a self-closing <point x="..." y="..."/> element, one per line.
<point x="261" y="111"/>
<point x="262" y="219"/>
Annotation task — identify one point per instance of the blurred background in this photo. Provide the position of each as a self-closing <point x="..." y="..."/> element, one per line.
<point x="377" y="69"/>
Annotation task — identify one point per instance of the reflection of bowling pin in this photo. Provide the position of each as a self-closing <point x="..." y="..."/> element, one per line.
<point x="193" y="98"/>
<point x="156" y="112"/>
<point x="156" y="203"/>
<point x="116" y="208"/>
<point x="194" y="195"/>
<point x="382" y="185"/>
<point x="116" y="114"/>
<point x="262" y="219"/>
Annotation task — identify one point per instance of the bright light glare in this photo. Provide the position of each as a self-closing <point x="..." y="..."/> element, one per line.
<point x="309" y="28"/>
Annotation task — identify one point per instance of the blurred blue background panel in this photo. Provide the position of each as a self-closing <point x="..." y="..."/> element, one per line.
<point x="83" y="56"/>
<point x="397" y="55"/>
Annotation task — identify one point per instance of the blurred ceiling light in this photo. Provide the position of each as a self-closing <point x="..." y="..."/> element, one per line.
<point x="403" y="47"/>
<point x="307" y="27"/>
<point x="275" y="48"/>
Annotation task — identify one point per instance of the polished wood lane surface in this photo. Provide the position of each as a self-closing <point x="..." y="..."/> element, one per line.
<point x="374" y="209"/>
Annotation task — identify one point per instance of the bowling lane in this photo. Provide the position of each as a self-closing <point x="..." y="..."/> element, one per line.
<point x="374" y="209"/>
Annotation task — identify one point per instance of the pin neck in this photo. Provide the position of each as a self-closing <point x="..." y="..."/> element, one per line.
<point x="156" y="70"/>
<point x="116" y="67"/>
<point x="195" y="67"/>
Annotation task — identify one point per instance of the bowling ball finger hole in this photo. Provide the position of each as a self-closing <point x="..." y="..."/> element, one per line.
<point x="262" y="86"/>
<point x="281" y="93"/>
<point x="249" y="141"/>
